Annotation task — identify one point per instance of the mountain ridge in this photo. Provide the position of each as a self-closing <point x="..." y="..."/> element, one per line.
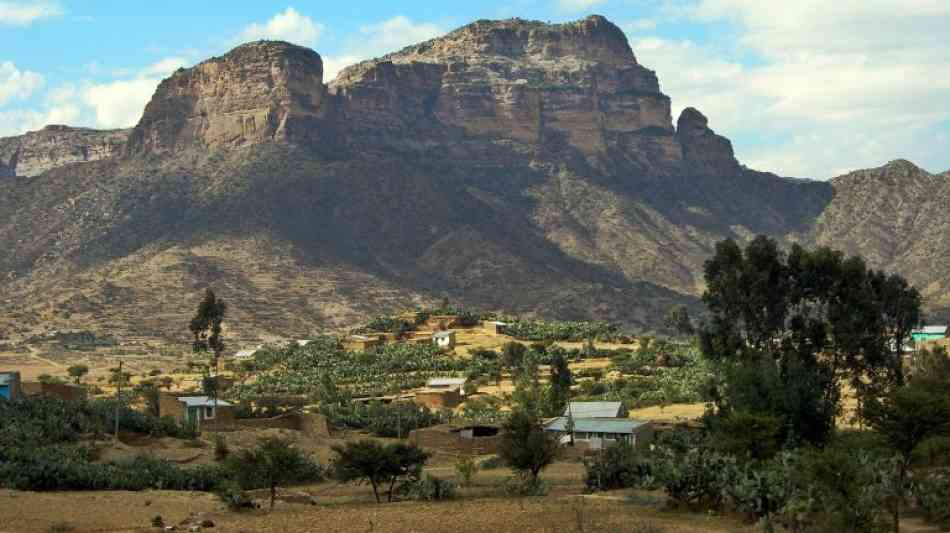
<point x="508" y="165"/>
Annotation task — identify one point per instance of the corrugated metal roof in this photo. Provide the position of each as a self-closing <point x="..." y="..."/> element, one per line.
<point x="445" y="382"/>
<point x="201" y="401"/>
<point x="932" y="330"/>
<point x="245" y="353"/>
<point x="593" y="409"/>
<point x="595" y="425"/>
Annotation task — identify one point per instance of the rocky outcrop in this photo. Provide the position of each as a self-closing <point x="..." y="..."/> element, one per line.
<point x="36" y="152"/>
<point x="705" y="153"/>
<point x="259" y="92"/>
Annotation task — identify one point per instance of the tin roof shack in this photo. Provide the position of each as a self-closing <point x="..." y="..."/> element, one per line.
<point x="10" y="385"/>
<point x="600" y="433"/>
<point x="438" y="398"/>
<point x="595" y="410"/>
<point x="928" y="333"/>
<point x="200" y="412"/>
<point x="470" y="439"/>
<point x="361" y="343"/>
<point x="243" y="355"/>
<point x="64" y="391"/>
<point x="445" y="340"/>
<point x="448" y="384"/>
<point x="493" y="327"/>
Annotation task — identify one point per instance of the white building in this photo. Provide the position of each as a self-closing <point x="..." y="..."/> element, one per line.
<point x="599" y="433"/>
<point x="444" y="339"/>
<point x="447" y="384"/>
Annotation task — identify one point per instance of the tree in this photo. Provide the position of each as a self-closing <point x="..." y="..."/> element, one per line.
<point x="559" y="391"/>
<point x="77" y="372"/>
<point x="677" y="320"/>
<point x="148" y="392"/>
<point x="512" y="355"/>
<point x="377" y="464"/>
<point x="206" y="329"/>
<point x="906" y="417"/>
<point x="793" y="326"/>
<point x="274" y="462"/>
<point x="931" y="365"/>
<point x="525" y="446"/>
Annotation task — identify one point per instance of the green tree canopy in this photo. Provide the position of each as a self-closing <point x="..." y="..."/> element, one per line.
<point x="382" y="466"/>
<point x="525" y="446"/>
<point x="786" y="329"/>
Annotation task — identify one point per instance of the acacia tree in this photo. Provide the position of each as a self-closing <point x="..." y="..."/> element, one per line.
<point x="206" y="329"/>
<point x="272" y="463"/>
<point x="77" y="372"/>
<point x="785" y="330"/>
<point x="380" y="466"/>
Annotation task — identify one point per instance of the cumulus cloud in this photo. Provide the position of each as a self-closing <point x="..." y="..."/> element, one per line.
<point x="830" y="87"/>
<point x="16" y="84"/>
<point x="379" y="39"/>
<point x="577" y="5"/>
<point x="290" y="25"/>
<point x="25" y="13"/>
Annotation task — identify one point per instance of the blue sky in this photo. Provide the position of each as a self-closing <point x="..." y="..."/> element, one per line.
<point x="808" y="88"/>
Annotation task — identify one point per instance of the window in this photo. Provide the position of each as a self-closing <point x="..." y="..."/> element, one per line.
<point x="209" y="411"/>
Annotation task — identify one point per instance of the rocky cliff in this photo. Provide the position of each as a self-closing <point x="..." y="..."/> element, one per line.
<point x="508" y="165"/>
<point x="36" y="152"/>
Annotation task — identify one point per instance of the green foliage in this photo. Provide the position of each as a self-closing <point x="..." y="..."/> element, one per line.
<point x="525" y="485"/>
<point x="746" y="435"/>
<point x="206" y="324"/>
<point x="301" y="370"/>
<point x="932" y="493"/>
<point x="272" y="463"/>
<point x="392" y="420"/>
<point x="221" y="449"/>
<point x="525" y="446"/>
<point x="786" y="329"/>
<point x="382" y="466"/>
<point x="428" y="488"/>
<point x="77" y="372"/>
<point x="229" y="492"/>
<point x="465" y="470"/>
<point x="484" y="410"/>
<point x="618" y="467"/>
<point x="537" y="330"/>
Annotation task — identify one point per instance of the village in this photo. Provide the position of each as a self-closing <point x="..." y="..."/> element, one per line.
<point x="444" y="381"/>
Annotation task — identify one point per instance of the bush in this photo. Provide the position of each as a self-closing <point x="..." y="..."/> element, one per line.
<point x="221" y="449"/>
<point x="618" y="467"/>
<point x="932" y="493"/>
<point x="428" y="489"/>
<point x="525" y="486"/>
<point x="465" y="469"/>
<point x="229" y="492"/>
<point x="492" y="463"/>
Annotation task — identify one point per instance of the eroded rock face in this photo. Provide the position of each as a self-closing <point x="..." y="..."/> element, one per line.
<point x="36" y="152"/>
<point x="528" y="81"/>
<point x="705" y="153"/>
<point x="260" y="91"/>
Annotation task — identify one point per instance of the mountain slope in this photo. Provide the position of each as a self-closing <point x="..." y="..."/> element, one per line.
<point x="508" y="165"/>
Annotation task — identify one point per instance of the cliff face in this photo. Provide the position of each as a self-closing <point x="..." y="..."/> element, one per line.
<point x="507" y="165"/>
<point x="258" y="92"/>
<point x="36" y="152"/>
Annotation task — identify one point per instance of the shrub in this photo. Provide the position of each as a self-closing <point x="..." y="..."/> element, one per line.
<point x="229" y="492"/>
<point x="492" y="463"/>
<point x="428" y="489"/>
<point x="465" y="470"/>
<point x="932" y="493"/>
<point x="221" y="449"/>
<point x="525" y="485"/>
<point x="272" y="463"/>
<point x="618" y="467"/>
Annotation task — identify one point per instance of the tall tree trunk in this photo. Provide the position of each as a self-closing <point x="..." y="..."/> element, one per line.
<point x="273" y="494"/>
<point x="375" y="490"/>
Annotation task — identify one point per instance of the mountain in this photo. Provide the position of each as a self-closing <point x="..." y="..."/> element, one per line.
<point x="512" y="164"/>
<point x="54" y="146"/>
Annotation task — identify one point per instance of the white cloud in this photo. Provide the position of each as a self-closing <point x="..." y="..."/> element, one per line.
<point x="289" y="26"/>
<point x="24" y="13"/>
<point x="379" y="39"/>
<point x="16" y="84"/>
<point x="119" y="104"/>
<point x="164" y="67"/>
<point x="833" y="85"/>
<point x="577" y="5"/>
<point x="639" y="25"/>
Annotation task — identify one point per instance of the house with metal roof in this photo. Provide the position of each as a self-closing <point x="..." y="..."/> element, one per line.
<point x="196" y="411"/>
<point x="10" y="385"/>
<point x="447" y="384"/>
<point x="444" y="339"/>
<point x="599" y="433"/>
<point x="595" y="410"/>
<point x="928" y="333"/>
